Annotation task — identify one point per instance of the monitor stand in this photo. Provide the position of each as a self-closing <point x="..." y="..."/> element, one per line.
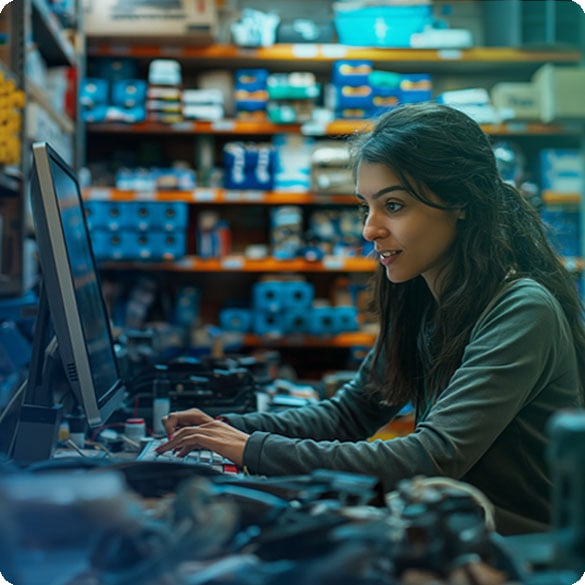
<point x="39" y="419"/>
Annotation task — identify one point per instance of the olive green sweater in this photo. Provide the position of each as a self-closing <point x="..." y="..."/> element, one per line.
<point x="487" y="428"/>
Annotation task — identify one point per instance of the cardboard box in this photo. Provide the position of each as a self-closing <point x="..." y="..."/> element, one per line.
<point x="142" y="20"/>
<point x="561" y="90"/>
<point x="517" y="101"/>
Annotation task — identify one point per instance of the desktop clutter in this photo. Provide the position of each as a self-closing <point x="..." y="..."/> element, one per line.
<point x="114" y="519"/>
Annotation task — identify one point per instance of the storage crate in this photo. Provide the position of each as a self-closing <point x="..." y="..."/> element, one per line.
<point x="380" y="26"/>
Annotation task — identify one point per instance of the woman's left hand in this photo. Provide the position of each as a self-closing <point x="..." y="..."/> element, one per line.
<point x="214" y="435"/>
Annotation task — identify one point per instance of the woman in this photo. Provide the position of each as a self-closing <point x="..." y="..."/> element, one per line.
<point x="480" y="329"/>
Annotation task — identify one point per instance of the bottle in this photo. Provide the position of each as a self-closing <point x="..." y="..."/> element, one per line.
<point x="161" y="402"/>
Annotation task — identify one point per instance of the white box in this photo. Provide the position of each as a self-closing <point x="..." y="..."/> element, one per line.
<point x="518" y="101"/>
<point x="135" y="20"/>
<point x="561" y="92"/>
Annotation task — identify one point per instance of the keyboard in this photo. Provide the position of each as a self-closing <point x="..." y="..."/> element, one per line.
<point x="196" y="457"/>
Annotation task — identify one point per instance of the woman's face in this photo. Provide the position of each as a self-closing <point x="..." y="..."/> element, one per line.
<point x="410" y="238"/>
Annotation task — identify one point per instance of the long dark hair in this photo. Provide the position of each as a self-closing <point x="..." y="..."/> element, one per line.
<point x="501" y="236"/>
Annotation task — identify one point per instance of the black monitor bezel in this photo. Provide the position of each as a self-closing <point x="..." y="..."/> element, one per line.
<point x="60" y="289"/>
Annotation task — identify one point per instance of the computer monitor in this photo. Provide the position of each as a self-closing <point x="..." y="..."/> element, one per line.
<point x="71" y="305"/>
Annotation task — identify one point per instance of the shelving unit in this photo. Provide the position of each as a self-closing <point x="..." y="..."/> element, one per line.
<point x="450" y="69"/>
<point x="31" y="25"/>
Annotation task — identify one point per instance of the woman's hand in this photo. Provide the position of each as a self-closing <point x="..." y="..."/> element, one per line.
<point x="185" y="418"/>
<point x="214" y="435"/>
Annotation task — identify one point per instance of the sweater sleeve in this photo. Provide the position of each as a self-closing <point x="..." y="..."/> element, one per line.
<point x="508" y="360"/>
<point x="352" y="414"/>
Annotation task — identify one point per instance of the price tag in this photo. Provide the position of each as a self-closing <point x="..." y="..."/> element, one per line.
<point x="256" y="196"/>
<point x="232" y="263"/>
<point x="184" y="126"/>
<point x="307" y="51"/>
<point x="146" y="195"/>
<point x="223" y="125"/>
<point x="204" y="195"/>
<point x="450" y="54"/>
<point x="100" y="194"/>
<point x="334" y="51"/>
<point x="231" y="195"/>
<point x="333" y="263"/>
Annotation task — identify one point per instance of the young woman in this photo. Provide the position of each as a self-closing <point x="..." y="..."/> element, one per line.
<point x="481" y="329"/>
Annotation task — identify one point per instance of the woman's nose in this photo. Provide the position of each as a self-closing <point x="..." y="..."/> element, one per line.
<point x="373" y="230"/>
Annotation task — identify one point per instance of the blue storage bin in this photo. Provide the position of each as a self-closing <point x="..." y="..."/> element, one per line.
<point x="106" y="215"/>
<point x="322" y="321"/>
<point x="296" y="321"/>
<point x="107" y="245"/>
<point x="148" y="215"/>
<point x="268" y="323"/>
<point x="346" y="319"/>
<point x="93" y="92"/>
<point x="297" y="294"/>
<point x="129" y="93"/>
<point x="268" y="296"/>
<point x="380" y="26"/>
<point x="238" y="320"/>
<point x="153" y="245"/>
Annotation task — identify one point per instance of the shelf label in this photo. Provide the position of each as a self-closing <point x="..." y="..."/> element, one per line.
<point x="334" y="51"/>
<point x="223" y="125"/>
<point x="233" y="195"/>
<point x="120" y="50"/>
<point x="571" y="263"/>
<point x="258" y="196"/>
<point x="184" y="126"/>
<point x="307" y="51"/>
<point x="333" y="263"/>
<point x="100" y="194"/>
<point x="232" y="263"/>
<point x="450" y="54"/>
<point x="146" y="195"/>
<point x="204" y="195"/>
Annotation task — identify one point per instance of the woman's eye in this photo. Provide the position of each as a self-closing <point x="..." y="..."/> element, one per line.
<point x="394" y="206"/>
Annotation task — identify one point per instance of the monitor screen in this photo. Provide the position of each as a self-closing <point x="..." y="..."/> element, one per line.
<point x="72" y="287"/>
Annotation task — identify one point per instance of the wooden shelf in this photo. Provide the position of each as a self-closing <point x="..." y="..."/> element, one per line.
<point x="555" y="198"/>
<point x="218" y="197"/>
<point x="349" y="339"/>
<point x="241" y="264"/>
<point x="334" y="128"/>
<point x="397" y="58"/>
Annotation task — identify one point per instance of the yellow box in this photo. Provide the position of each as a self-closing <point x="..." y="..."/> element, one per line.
<point x="134" y="21"/>
<point x="561" y="90"/>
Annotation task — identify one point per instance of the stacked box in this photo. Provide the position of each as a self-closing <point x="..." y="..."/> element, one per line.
<point x="251" y="92"/>
<point x="380" y="26"/>
<point x="292" y="162"/>
<point x="281" y="307"/>
<point x="12" y="101"/>
<point x="248" y="165"/>
<point x="353" y="93"/>
<point x="122" y="100"/>
<point x="132" y="230"/>
<point x="292" y="97"/>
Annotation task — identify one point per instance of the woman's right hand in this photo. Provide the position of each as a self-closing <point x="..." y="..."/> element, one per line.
<point x="185" y="418"/>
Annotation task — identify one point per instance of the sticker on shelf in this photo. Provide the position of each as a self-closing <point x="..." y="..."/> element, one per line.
<point x="450" y="54"/>
<point x="334" y="51"/>
<point x="100" y="194"/>
<point x="146" y="195"/>
<point x="333" y="263"/>
<point x="581" y="3"/>
<point x="307" y="51"/>
<point x="223" y="125"/>
<point x="204" y="195"/>
<point x="232" y="263"/>
<point x="4" y="3"/>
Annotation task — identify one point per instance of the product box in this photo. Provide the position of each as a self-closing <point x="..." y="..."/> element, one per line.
<point x="517" y="101"/>
<point x="183" y="21"/>
<point x="561" y="90"/>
